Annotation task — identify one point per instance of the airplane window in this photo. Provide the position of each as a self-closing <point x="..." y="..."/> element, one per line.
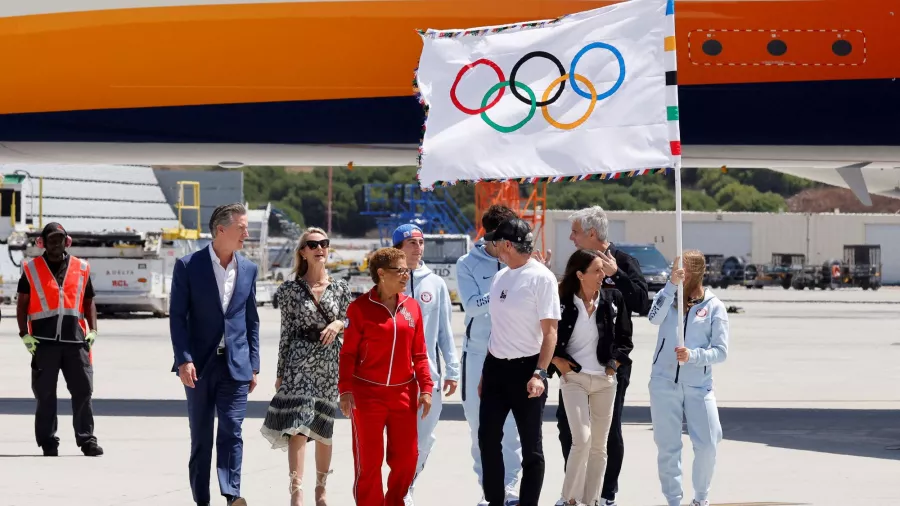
<point x="712" y="47"/>
<point x="777" y="47"/>
<point x="842" y="48"/>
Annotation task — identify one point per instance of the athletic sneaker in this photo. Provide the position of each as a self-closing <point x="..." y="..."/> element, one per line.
<point x="483" y="502"/>
<point x="560" y="502"/>
<point x="699" y="503"/>
<point x="607" y="502"/>
<point x="511" y="502"/>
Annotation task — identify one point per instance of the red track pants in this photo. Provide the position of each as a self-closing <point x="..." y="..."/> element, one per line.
<point x="377" y="408"/>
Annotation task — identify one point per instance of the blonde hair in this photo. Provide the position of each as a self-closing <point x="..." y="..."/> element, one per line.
<point x="693" y="261"/>
<point x="300" y="264"/>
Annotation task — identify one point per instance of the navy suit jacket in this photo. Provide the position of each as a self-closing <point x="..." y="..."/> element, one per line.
<point x="197" y="322"/>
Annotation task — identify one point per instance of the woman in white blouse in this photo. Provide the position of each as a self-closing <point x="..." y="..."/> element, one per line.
<point x="588" y="352"/>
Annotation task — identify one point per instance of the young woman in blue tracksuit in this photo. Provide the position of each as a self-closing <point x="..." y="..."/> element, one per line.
<point x="433" y="297"/>
<point x="474" y="273"/>
<point x="681" y="378"/>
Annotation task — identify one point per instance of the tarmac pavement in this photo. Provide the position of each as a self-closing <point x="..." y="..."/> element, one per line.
<point x="809" y="402"/>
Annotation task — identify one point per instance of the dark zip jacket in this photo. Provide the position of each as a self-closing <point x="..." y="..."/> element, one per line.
<point x="613" y="325"/>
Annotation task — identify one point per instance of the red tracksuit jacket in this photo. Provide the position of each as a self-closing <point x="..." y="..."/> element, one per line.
<point x="384" y="364"/>
<point x="381" y="349"/>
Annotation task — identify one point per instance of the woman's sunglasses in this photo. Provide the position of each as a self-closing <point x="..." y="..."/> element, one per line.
<point x="315" y="244"/>
<point x="401" y="271"/>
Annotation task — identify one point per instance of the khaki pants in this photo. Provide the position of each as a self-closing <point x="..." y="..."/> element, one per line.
<point x="589" y="400"/>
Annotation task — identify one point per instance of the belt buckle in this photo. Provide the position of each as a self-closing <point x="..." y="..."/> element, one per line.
<point x="220" y="350"/>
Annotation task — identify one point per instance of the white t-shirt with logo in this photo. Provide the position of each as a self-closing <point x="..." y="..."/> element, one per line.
<point x="520" y="299"/>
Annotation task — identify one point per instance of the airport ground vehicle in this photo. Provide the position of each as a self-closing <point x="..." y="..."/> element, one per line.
<point x="441" y="253"/>
<point x="714" y="276"/>
<point x="860" y="268"/>
<point x="780" y="272"/>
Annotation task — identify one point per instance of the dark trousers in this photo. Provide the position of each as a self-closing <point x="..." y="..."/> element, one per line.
<point x="615" y="444"/>
<point x="73" y="360"/>
<point x="505" y="388"/>
<point x="216" y="394"/>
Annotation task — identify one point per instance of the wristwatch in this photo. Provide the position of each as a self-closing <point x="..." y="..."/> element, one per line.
<point x="541" y="373"/>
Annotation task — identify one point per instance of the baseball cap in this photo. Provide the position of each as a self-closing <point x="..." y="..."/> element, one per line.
<point x="52" y="228"/>
<point x="404" y="232"/>
<point x="514" y="230"/>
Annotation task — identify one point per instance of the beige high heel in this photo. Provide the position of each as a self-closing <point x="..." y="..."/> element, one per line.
<point x="296" y="485"/>
<point x="321" y="478"/>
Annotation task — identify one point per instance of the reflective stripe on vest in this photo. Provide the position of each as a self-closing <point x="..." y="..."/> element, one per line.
<point x="49" y="300"/>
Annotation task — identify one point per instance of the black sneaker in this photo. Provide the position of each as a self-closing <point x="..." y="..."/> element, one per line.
<point x="91" y="450"/>
<point x="51" y="451"/>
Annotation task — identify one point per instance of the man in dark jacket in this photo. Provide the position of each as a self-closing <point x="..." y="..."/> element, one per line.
<point x="590" y="230"/>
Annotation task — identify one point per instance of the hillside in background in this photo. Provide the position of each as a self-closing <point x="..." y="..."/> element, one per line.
<point x="302" y="192"/>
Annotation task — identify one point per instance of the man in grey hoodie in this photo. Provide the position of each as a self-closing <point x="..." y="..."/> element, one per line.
<point x="475" y="271"/>
<point x="432" y="295"/>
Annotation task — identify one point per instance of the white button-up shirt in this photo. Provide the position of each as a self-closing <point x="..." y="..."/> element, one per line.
<point x="225" y="277"/>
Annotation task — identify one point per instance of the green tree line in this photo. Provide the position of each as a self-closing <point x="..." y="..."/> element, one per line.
<point x="303" y="195"/>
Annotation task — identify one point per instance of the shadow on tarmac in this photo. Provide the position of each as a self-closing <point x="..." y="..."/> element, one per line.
<point x="863" y="433"/>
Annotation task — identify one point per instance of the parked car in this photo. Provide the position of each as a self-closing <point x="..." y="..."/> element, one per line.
<point x="654" y="266"/>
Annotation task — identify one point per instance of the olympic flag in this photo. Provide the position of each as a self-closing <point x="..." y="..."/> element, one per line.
<point x="588" y="94"/>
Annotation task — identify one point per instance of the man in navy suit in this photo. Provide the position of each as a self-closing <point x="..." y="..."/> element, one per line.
<point x="215" y="334"/>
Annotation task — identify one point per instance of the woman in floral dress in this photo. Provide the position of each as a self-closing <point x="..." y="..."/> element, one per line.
<point x="313" y="308"/>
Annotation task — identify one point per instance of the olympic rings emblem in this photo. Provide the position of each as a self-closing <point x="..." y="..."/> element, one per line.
<point x="572" y="77"/>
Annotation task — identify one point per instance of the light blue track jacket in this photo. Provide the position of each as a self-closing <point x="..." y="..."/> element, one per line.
<point x="474" y="273"/>
<point x="706" y="336"/>
<point x="431" y="292"/>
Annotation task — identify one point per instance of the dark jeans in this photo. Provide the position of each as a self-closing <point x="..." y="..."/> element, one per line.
<point x="615" y="445"/>
<point x="505" y="388"/>
<point x="73" y="360"/>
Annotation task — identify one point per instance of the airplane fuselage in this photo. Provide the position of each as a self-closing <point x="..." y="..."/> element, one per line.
<point x="256" y="72"/>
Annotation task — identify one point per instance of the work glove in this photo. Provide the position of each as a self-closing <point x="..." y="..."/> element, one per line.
<point x="90" y="338"/>
<point x="30" y="343"/>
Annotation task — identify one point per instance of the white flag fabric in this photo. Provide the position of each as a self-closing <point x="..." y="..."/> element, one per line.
<point x="592" y="93"/>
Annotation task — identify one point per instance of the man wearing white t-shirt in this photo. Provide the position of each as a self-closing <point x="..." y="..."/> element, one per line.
<point x="524" y="307"/>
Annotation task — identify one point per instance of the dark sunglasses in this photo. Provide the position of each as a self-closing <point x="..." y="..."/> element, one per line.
<point x="400" y="270"/>
<point x="315" y="244"/>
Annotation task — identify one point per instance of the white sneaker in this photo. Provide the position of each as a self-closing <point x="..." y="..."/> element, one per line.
<point x="483" y="502"/>
<point x="560" y="502"/>
<point x="607" y="502"/>
<point x="699" y="503"/>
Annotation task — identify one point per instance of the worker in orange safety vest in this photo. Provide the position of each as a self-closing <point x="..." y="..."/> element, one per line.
<point x="58" y="324"/>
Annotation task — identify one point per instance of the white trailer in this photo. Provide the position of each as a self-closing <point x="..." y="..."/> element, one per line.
<point x="130" y="271"/>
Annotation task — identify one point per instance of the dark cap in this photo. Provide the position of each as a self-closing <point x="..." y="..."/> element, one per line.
<point x="52" y="228"/>
<point x="514" y="230"/>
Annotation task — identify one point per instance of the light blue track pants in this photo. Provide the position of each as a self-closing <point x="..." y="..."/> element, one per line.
<point x="472" y="364"/>
<point x="669" y="401"/>
<point x="426" y="431"/>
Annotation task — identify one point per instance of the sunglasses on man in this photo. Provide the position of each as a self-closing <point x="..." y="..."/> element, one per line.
<point x="315" y="244"/>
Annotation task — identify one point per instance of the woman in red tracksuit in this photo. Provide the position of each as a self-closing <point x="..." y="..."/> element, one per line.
<point x="383" y="370"/>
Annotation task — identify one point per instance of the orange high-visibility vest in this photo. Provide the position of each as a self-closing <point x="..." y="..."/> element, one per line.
<point x="54" y="313"/>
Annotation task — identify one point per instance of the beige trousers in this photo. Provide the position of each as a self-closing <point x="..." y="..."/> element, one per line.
<point x="589" y="402"/>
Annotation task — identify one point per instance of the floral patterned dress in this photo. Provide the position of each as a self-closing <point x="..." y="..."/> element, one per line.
<point x="307" y="401"/>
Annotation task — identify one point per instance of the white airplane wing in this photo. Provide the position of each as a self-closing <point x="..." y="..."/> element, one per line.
<point x="863" y="169"/>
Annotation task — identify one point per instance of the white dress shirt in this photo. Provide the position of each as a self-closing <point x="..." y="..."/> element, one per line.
<point x="585" y="336"/>
<point x="225" y="277"/>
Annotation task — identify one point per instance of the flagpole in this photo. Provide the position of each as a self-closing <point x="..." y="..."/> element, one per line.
<point x="679" y="253"/>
